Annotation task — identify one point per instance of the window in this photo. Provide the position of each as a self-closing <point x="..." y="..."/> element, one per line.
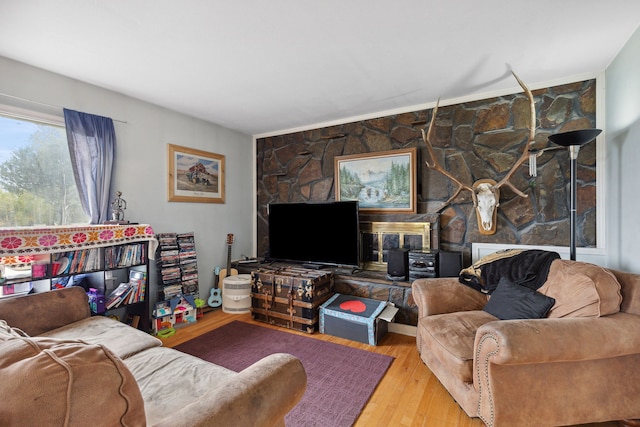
<point x="37" y="186"/>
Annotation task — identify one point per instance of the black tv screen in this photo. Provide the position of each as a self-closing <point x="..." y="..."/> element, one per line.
<point x="315" y="233"/>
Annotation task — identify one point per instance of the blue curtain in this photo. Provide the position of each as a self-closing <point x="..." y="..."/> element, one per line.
<point x="92" y="146"/>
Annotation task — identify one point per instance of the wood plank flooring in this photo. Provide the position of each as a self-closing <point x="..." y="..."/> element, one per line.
<point x="408" y="395"/>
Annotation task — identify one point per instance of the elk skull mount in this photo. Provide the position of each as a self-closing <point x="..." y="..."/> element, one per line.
<point x="484" y="192"/>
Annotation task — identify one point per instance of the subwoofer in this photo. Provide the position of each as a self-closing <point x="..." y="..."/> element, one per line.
<point x="449" y="264"/>
<point x="398" y="264"/>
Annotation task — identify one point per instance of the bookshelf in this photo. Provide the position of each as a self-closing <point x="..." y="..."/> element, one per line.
<point x="98" y="258"/>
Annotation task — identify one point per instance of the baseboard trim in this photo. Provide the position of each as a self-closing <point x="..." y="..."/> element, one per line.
<point x="399" y="328"/>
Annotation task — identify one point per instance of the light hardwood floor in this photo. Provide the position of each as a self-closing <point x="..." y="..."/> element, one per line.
<point x="408" y="395"/>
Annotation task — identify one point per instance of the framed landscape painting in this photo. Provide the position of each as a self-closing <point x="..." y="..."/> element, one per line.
<point x="195" y="175"/>
<point x="382" y="182"/>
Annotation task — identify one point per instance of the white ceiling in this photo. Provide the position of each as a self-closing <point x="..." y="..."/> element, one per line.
<point x="261" y="66"/>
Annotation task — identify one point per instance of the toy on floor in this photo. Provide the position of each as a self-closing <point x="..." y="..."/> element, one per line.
<point x="173" y="313"/>
<point x="166" y="333"/>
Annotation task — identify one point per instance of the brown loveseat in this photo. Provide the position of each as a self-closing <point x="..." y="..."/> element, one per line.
<point x="580" y="363"/>
<point x="77" y="370"/>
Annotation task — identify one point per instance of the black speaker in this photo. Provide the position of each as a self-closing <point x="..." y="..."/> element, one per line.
<point x="398" y="264"/>
<point x="449" y="264"/>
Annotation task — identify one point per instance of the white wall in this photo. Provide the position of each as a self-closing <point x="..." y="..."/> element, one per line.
<point x="623" y="157"/>
<point x="596" y="256"/>
<point x="141" y="162"/>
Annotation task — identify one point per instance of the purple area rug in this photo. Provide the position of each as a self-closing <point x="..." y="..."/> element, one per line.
<point x="340" y="379"/>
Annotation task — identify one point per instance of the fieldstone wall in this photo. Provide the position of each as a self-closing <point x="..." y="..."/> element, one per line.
<point x="473" y="140"/>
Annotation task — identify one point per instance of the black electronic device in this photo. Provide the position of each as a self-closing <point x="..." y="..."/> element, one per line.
<point x="320" y="233"/>
<point x="398" y="264"/>
<point x="449" y="264"/>
<point x="423" y="264"/>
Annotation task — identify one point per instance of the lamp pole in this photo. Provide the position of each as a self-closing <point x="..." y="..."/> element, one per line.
<point x="573" y="156"/>
<point x="574" y="140"/>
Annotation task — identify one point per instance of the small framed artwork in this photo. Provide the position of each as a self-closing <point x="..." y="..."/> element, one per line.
<point x="195" y="175"/>
<point x="382" y="182"/>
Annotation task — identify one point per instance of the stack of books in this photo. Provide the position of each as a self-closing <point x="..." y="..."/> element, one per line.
<point x="78" y="261"/>
<point x="124" y="255"/>
<point x="128" y="293"/>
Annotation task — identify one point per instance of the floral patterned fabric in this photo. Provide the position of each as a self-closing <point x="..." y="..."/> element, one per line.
<point x="20" y="246"/>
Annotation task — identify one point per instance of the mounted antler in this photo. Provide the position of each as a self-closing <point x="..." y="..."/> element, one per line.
<point x="485" y="192"/>
<point x="436" y="166"/>
<point x="532" y="139"/>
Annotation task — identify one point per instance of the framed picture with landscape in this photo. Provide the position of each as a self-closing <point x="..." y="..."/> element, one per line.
<point x="195" y="175"/>
<point x="382" y="182"/>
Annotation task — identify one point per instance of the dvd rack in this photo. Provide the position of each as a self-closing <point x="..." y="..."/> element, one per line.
<point x="188" y="263"/>
<point x="177" y="265"/>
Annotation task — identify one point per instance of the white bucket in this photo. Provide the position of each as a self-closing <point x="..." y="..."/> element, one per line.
<point x="236" y="294"/>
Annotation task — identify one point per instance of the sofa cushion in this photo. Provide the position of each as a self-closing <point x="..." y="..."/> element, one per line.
<point x="64" y="382"/>
<point x="121" y="339"/>
<point x="512" y="301"/>
<point x="581" y="290"/>
<point x="450" y="337"/>
<point x="161" y="370"/>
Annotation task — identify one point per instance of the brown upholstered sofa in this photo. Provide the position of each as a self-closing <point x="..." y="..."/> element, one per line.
<point x="578" y="364"/>
<point x="77" y="370"/>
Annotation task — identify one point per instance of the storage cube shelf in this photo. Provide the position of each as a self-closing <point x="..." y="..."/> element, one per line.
<point x="100" y="257"/>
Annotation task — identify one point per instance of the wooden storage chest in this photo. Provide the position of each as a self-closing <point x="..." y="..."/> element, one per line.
<point x="290" y="296"/>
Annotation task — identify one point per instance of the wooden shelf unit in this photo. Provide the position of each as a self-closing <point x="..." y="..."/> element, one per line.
<point x="44" y="259"/>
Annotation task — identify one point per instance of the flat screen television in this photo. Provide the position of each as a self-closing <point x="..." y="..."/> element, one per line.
<point x="315" y="233"/>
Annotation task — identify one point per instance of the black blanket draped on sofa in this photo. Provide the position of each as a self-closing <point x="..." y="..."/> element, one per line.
<point x="528" y="268"/>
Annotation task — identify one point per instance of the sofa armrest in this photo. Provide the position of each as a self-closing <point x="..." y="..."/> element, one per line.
<point x="260" y="395"/>
<point x="551" y="340"/>
<point x="563" y="362"/>
<point x="42" y="312"/>
<point x="445" y="295"/>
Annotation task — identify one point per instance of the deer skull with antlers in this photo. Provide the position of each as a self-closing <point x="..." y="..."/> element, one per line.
<point x="484" y="192"/>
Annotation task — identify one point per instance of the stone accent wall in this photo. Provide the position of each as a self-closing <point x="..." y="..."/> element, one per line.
<point x="473" y="140"/>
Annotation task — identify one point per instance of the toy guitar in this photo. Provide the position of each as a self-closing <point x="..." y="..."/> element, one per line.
<point x="228" y="271"/>
<point x="215" y="298"/>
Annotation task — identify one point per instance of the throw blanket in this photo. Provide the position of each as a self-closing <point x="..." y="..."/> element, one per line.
<point x="528" y="268"/>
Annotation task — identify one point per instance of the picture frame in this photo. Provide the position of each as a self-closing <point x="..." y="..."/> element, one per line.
<point x="382" y="182"/>
<point x="195" y="175"/>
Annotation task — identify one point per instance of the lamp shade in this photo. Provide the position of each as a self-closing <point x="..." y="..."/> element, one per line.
<point x="575" y="137"/>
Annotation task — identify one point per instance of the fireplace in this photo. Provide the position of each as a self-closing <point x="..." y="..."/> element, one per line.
<point x="378" y="237"/>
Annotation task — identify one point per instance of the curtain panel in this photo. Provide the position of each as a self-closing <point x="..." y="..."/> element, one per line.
<point x="92" y="146"/>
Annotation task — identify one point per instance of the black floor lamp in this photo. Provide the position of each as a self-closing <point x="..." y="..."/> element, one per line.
<point x="574" y="140"/>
